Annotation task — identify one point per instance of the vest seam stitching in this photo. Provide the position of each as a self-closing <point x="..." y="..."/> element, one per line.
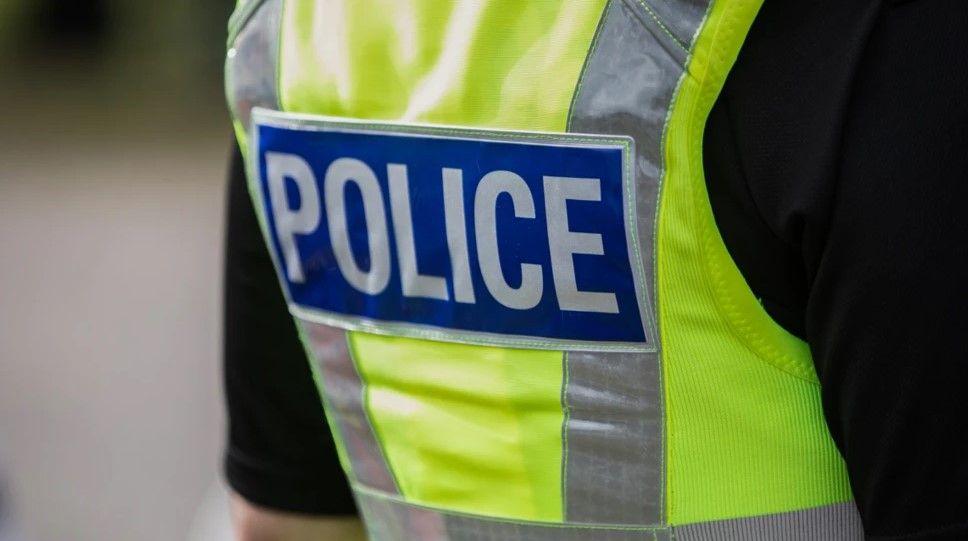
<point x="566" y="418"/>
<point x="662" y="26"/>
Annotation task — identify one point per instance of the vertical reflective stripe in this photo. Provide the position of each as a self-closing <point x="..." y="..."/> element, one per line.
<point x="839" y="522"/>
<point x="614" y="470"/>
<point x="253" y="59"/>
<point x="391" y="519"/>
<point x="344" y="391"/>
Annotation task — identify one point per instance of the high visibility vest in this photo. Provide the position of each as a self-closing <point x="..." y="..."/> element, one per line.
<point x="490" y="221"/>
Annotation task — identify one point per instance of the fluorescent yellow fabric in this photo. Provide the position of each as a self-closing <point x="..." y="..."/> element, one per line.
<point x="467" y="428"/>
<point x="745" y="429"/>
<point x="485" y="63"/>
<point x="475" y="429"/>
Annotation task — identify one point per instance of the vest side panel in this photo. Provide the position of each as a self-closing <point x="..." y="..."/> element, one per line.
<point x="746" y="433"/>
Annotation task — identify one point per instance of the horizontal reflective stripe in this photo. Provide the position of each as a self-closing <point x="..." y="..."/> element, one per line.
<point x="839" y="522"/>
<point x="390" y="519"/>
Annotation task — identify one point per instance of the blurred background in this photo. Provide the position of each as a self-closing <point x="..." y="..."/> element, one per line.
<point x="113" y="147"/>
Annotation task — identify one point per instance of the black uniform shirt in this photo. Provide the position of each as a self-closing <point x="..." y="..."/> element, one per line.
<point x="837" y="167"/>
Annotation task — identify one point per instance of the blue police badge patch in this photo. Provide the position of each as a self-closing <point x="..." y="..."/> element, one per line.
<point x="516" y="239"/>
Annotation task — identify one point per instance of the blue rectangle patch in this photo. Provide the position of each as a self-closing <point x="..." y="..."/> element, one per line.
<point x="516" y="239"/>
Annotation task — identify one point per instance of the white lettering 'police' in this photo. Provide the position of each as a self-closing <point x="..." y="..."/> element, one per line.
<point x="289" y="222"/>
<point x="528" y="294"/>
<point x="340" y="173"/>
<point x="563" y="243"/>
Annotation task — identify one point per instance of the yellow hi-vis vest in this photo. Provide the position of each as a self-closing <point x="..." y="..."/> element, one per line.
<point x="490" y="221"/>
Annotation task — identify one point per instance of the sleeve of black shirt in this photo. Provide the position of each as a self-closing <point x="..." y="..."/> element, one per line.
<point x="837" y="166"/>
<point x="280" y="452"/>
<point x="888" y="309"/>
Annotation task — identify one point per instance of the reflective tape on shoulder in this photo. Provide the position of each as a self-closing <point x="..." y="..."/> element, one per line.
<point x="252" y="59"/>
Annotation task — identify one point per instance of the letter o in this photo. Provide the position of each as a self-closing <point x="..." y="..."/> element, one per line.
<point x="340" y="173"/>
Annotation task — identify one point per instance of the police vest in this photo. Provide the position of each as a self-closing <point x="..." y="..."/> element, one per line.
<point x="490" y="222"/>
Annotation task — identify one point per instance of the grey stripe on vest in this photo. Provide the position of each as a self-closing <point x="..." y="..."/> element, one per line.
<point x="613" y="446"/>
<point x="253" y="57"/>
<point x="389" y="519"/>
<point x="613" y="467"/>
<point x="344" y="391"/>
<point x="839" y="522"/>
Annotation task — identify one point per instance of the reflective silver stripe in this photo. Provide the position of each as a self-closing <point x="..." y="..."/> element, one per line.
<point x="390" y="519"/>
<point x="253" y="58"/>
<point x="627" y="88"/>
<point x="344" y="391"/>
<point x="839" y="522"/>
<point x="614" y="470"/>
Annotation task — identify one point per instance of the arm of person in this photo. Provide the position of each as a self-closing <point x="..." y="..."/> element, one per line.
<point x="838" y="172"/>
<point x="254" y="523"/>
<point x="887" y="316"/>
<point x="281" y="462"/>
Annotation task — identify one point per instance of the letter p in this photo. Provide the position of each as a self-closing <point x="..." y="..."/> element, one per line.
<point x="290" y="222"/>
